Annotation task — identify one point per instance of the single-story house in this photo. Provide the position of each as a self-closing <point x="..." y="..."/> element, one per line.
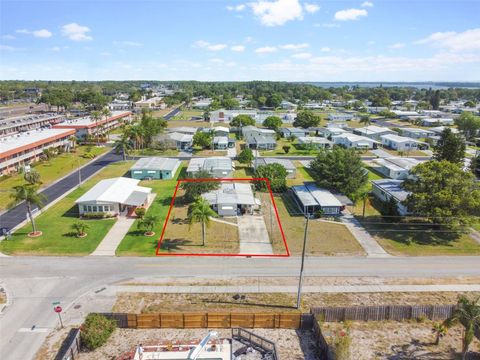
<point x="260" y="139"/>
<point x="293" y="132"/>
<point x="401" y="114"/>
<point x="188" y="130"/>
<point x="341" y="116"/>
<point x="314" y="142"/>
<point x="232" y="199"/>
<point x="287" y="105"/>
<point x="221" y="131"/>
<point x="402" y="143"/>
<point x="220" y="142"/>
<point x="416" y="133"/>
<point x="113" y="196"/>
<point x="181" y="140"/>
<point x="287" y="164"/>
<point x="385" y="189"/>
<point x="397" y="168"/>
<point x="437" y="121"/>
<point x="354" y="141"/>
<point x="439" y="129"/>
<point x="228" y="115"/>
<point x="373" y="132"/>
<point x="218" y="167"/>
<point x="156" y="168"/>
<point x="330" y="132"/>
<point x="311" y="199"/>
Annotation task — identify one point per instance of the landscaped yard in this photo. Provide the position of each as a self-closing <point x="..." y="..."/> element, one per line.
<point x="154" y="152"/>
<point x="187" y="115"/>
<point x="56" y="222"/>
<point x="177" y="123"/>
<point x="49" y="171"/>
<point x="295" y="150"/>
<point x="324" y="238"/>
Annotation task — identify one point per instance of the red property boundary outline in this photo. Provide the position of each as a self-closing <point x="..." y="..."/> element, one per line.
<point x="287" y="254"/>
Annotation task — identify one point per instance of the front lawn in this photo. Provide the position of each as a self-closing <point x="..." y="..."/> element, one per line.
<point x="295" y="149"/>
<point x="154" y="152"/>
<point x="187" y="115"/>
<point x="323" y="238"/>
<point x="56" y="222"/>
<point x="49" y="171"/>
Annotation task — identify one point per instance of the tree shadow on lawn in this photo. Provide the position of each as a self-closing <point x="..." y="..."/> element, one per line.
<point x="412" y="231"/>
<point x="72" y="212"/>
<point x="175" y="244"/>
<point x="416" y="350"/>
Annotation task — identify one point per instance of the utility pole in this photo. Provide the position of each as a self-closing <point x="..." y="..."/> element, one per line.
<point x="299" y="294"/>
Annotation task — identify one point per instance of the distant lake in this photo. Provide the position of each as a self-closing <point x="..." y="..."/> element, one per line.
<point x="418" y="85"/>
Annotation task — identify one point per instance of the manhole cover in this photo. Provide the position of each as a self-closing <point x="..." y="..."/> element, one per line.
<point x="77" y="306"/>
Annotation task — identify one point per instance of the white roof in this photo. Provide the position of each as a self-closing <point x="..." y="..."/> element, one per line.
<point x="372" y="129"/>
<point x="398" y="138"/>
<point x="13" y="142"/>
<point x="183" y="129"/>
<point x="220" y="140"/>
<point x="210" y="164"/>
<point x="221" y="128"/>
<point x="286" y="163"/>
<point x="155" y="163"/>
<point x="87" y="120"/>
<point x="354" y="138"/>
<point x="231" y="193"/>
<point x="416" y="130"/>
<point x="115" y="190"/>
<point x="310" y="194"/>
<point x="180" y="137"/>
<point x="313" y="139"/>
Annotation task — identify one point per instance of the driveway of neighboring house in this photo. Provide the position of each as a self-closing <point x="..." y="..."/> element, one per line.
<point x="232" y="153"/>
<point x="253" y="235"/>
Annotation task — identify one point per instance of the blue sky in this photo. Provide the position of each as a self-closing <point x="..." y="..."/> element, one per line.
<point x="288" y="40"/>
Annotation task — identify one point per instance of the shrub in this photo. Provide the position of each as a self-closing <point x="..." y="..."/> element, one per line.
<point x="140" y="212"/>
<point x="96" y="330"/>
<point x="98" y="215"/>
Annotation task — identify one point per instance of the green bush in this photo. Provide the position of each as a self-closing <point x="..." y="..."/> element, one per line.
<point x="97" y="215"/>
<point x="96" y="330"/>
<point x="140" y="212"/>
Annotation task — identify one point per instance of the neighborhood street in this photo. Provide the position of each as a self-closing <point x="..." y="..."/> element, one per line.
<point x="33" y="283"/>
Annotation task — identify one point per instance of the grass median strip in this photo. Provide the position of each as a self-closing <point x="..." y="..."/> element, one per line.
<point x="56" y="222"/>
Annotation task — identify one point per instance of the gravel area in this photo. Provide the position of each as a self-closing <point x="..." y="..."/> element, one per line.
<point x="290" y="344"/>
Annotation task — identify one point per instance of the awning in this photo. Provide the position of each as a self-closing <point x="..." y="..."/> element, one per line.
<point x="136" y="198"/>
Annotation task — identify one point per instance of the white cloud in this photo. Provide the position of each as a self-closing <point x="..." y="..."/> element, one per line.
<point x="7" y="48"/>
<point x="397" y="46"/>
<point x="371" y="42"/>
<point x="294" y="47"/>
<point x="202" y="44"/>
<point x="55" y="49"/>
<point x="42" y="33"/>
<point x="266" y="50"/>
<point x="451" y="40"/>
<point x="367" y="4"/>
<point x="8" y="37"/>
<point x="325" y="49"/>
<point x="276" y="13"/>
<point x="311" y="8"/>
<point x="239" y="7"/>
<point x="237" y="48"/>
<point x="350" y="14"/>
<point x="301" y="56"/>
<point x="105" y="53"/>
<point x="76" y="32"/>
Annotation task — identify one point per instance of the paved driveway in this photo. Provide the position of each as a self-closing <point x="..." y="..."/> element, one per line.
<point x="253" y="235"/>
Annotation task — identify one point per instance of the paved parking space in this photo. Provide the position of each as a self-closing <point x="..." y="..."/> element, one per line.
<point x="253" y="235"/>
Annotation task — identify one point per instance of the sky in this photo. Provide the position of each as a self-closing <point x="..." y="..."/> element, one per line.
<point x="282" y="40"/>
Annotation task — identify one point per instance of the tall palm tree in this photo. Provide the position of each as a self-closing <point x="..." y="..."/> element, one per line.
<point x="29" y="194"/>
<point x="73" y="141"/>
<point x="124" y="144"/>
<point x="467" y="314"/>
<point x="201" y="212"/>
<point x="107" y="113"/>
<point x="96" y="116"/>
<point x="32" y="177"/>
<point x="365" y="119"/>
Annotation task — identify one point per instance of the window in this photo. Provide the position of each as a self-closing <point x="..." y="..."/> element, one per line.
<point x="94" y="208"/>
<point x="89" y="208"/>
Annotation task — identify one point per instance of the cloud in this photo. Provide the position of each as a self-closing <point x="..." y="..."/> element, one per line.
<point x="105" y="53"/>
<point x="217" y="61"/>
<point x="397" y="46"/>
<point x="76" y="32"/>
<point x="239" y="7"/>
<point x="266" y="50"/>
<point x="237" y="48"/>
<point x="8" y="37"/>
<point x="350" y="14"/>
<point x="451" y="40"/>
<point x="330" y="25"/>
<point x="55" y="49"/>
<point x="301" y="56"/>
<point x="202" y="44"/>
<point x="325" y="49"/>
<point x="294" y="47"/>
<point x="42" y="33"/>
<point x="371" y="42"/>
<point x="128" y="43"/>
<point x="9" y="48"/>
<point x="276" y="13"/>
<point x="311" y="8"/>
<point x="367" y="4"/>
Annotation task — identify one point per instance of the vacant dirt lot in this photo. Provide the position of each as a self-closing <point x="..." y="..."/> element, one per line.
<point x="398" y="340"/>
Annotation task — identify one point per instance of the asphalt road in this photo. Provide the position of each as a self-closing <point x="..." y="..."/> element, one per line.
<point x="33" y="283"/>
<point x="16" y="215"/>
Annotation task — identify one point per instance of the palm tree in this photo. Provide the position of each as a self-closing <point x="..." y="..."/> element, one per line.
<point x="467" y="314"/>
<point x="147" y="224"/>
<point x="29" y="194"/>
<point x="32" y="177"/>
<point x="125" y="145"/>
<point x="107" y="113"/>
<point x="365" y="119"/>
<point x="73" y="141"/>
<point x="201" y="212"/>
<point x="439" y="330"/>
<point x="80" y="228"/>
<point x="96" y="116"/>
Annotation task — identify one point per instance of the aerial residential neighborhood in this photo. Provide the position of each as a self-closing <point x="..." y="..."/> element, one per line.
<point x="273" y="179"/>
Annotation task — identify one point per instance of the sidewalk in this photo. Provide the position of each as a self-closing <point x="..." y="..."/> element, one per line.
<point x="366" y="241"/>
<point x="293" y="289"/>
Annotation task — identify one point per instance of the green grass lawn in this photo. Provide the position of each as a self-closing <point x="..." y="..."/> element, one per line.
<point x="49" y="171"/>
<point x="153" y="152"/>
<point x="295" y="150"/>
<point x="135" y="243"/>
<point x="55" y="224"/>
<point x="187" y="115"/>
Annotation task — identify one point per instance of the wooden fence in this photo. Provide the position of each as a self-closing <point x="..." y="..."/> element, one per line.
<point x="198" y="320"/>
<point x="70" y="346"/>
<point x="383" y="312"/>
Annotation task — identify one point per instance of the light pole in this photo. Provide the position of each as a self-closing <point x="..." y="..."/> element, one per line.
<point x="299" y="294"/>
